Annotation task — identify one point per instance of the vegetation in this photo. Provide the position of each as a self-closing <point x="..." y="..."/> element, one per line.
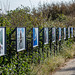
<point x="55" y="15"/>
<point x="52" y="63"/>
<point x="45" y="15"/>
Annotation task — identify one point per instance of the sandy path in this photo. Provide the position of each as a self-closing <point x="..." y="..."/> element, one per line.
<point x="68" y="69"/>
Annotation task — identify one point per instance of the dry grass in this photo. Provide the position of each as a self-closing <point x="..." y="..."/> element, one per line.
<point x="50" y="64"/>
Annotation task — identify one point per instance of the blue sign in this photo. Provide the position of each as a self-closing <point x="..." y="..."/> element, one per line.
<point x="35" y="37"/>
<point x="71" y="31"/>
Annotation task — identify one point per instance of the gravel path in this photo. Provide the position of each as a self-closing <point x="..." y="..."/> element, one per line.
<point x="68" y="69"/>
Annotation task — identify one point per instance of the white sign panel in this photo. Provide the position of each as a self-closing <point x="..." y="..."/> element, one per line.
<point x="2" y="41"/>
<point x="20" y="39"/>
<point x="45" y="35"/>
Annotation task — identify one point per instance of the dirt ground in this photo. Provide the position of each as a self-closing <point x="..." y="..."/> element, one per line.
<point x="68" y="69"/>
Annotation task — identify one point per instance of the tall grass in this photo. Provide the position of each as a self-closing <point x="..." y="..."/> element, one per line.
<point x="51" y="63"/>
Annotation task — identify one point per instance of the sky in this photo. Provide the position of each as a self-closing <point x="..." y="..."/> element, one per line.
<point x="13" y="4"/>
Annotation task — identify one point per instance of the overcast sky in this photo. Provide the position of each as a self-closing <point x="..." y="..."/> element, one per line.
<point x="13" y="4"/>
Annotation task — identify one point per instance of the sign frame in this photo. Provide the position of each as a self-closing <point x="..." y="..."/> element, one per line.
<point x="4" y="53"/>
<point x="71" y="32"/>
<point x="74" y="32"/>
<point x="55" y="35"/>
<point x="64" y="33"/>
<point x="47" y="35"/>
<point x="68" y="32"/>
<point x="25" y="39"/>
<point x="58" y="34"/>
<point x="37" y="37"/>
